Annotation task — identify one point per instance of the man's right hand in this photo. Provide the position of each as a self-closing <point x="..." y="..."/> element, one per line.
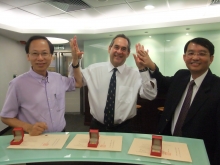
<point x="76" y="53"/>
<point x="37" y="128"/>
<point x="143" y="58"/>
<point x="33" y="129"/>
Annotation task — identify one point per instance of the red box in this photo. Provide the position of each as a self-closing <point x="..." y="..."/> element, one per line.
<point x="94" y="138"/>
<point x="156" y="148"/>
<point x="18" y="136"/>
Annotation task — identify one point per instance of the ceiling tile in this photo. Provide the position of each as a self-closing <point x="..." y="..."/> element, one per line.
<point x="42" y="9"/>
<point x="115" y="10"/>
<point x="86" y="14"/>
<point x="21" y="16"/>
<point x="4" y="7"/>
<point x="175" y="5"/>
<point x="18" y="14"/>
<point x="138" y="0"/>
<point x="160" y="5"/>
<point x="96" y="3"/>
<point x="65" y="17"/>
<point x="58" y="21"/>
<point x="19" y="3"/>
<point x="212" y="11"/>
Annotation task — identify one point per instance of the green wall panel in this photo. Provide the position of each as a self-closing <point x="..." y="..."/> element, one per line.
<point x="166" y="50"/>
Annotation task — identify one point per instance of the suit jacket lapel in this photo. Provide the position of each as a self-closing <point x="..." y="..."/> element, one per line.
<point x="200" y="97"/>
<point x="179" y="92"/>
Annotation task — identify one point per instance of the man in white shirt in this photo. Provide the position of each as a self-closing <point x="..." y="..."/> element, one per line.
<point x="129" y="83"/>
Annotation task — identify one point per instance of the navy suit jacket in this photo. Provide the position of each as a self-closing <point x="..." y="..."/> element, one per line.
<point x="203" y="118"/>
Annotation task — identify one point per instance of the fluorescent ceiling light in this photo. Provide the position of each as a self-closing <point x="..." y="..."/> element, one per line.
<point x="149" y="7"/>
<point x="54" y="40"/>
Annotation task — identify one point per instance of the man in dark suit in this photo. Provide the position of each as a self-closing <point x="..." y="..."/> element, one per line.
<point x="202" y="117"/>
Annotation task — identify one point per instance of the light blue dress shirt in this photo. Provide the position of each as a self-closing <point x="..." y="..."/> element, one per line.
<point x="33" y="98"/>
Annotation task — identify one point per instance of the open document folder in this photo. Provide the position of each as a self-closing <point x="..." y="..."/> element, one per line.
<point x="170" y="150"/>
<point x="44" y="141"/>
<point x="107" y="143"/>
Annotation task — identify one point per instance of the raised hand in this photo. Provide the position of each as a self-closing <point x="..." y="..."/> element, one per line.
<point x="142" y="58"/>
<point x="76" y="53"/>
<point x="138" y="60"/>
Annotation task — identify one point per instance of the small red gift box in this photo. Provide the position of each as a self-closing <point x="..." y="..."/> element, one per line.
<point x="94" y="138"/>
<point x="18" y="136"/>
<point x="156" y="148"/>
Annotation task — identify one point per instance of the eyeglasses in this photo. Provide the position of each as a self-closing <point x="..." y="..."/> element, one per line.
<point x="200" y="54"/>
<point x="43" y="54"/>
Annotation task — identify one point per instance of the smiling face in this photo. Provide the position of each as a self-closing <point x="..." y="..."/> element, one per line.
<point x="197" y="59"/>
<point x="118" y="51"/>
<point x="39" y="56"/>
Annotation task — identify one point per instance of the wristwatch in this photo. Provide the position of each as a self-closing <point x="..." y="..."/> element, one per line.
<point x="143" y="70"/>
<point x="76" y="65"/>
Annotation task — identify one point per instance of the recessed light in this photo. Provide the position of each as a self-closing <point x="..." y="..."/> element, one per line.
<point x="149" y="7"/>
<point x="54" y="40"/>
<point x="187" y="34"/>
<point x="168" y="40"/>
<point x="149" y="36"/>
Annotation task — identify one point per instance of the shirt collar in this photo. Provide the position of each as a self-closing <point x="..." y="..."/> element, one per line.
<point x="198" y="80"/>
<point x="120" y="68"/>
<point x="37" y="76"/>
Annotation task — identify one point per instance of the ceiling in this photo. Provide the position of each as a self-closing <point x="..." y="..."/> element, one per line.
<point x="95" y="19"/>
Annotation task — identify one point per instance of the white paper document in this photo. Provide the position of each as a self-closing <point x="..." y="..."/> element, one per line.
<point x="44" y="141"/>
<point x="170" y="150"/>
<point x="107" y="143"/>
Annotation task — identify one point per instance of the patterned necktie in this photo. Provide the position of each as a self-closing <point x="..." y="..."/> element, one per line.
<point x="110" y="103"/>
<point x="184" y="110"/>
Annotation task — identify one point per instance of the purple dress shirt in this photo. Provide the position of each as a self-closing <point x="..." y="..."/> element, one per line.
<point x="33" y="98"/>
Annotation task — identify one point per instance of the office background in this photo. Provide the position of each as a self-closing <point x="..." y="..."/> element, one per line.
<point x="96" y="22"/>
<point x="166" y="51"/>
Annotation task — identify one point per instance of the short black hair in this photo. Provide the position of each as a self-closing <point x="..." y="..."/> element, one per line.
<point x="203" y="42"/>
<point x="27" y="46"/>
<point x="122" y="36"/>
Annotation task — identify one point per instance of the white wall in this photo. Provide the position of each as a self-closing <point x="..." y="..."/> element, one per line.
<point x="12" y="61"/>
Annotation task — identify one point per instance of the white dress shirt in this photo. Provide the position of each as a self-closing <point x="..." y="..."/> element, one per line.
<point x="129" y="83"/>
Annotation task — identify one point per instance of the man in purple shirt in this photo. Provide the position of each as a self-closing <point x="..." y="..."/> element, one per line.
<point x="35" y="100"/>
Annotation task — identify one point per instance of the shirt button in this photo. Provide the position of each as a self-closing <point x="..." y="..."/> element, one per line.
<point x="51" y="109"/>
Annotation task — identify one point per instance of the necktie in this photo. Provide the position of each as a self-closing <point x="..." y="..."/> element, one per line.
<point x="184" y="110"/>
<point x="110" y="103"/>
